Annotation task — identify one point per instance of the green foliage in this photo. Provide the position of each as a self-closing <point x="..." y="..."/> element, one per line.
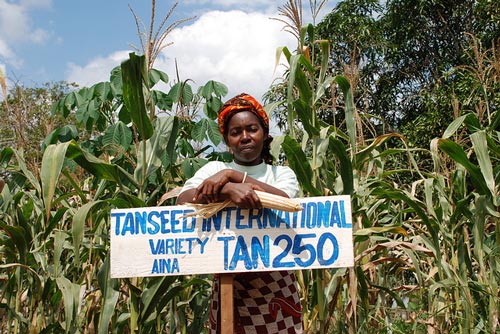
<point x="415" y="244"/>
<point x="401" y="55"/>
<point x="55" y="269"/>
<point x="135" y="81"/>
<point x="26" y="120"/>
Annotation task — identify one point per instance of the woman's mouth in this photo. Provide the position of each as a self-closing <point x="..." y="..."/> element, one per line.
<point x="246" y="148"/>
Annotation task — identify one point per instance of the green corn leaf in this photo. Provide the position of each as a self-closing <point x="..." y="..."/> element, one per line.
<point x="364" y="155"/>
<point x="124" y="115"/>
<point x="454" y="126"/>
<point x="78" y="226"/>
<point x="155" y="291"/>
<point x="166" y="131"/>
<point x="71" y="297"/>
<point x="22" y="166"/>
<point x="94" y="165"/>
<point x="455" y="151"/>
<point x="345" y="86"/>
<point x="301" y="81"/>
<point x="480" y="144"/>
<point x="384" y="190"/>
<point x="346" y="171"/>
<point x="110" y="293"/>
<point x="325" y="57"/>
<point x="276" y="146"/>
<point x="495" y="122"/>
<point x="134" y="76"/>
<point x="306" y="116"/>
<point x="320" y="91"/>
<point x="52" y="162"/>
<point x="59" y="239"/>
<point x="299" y="164"/>
<point x="472" y="122"/>
<point x="174" y="289"/>
<point x="17" y="236"/>
<point x="380" y="230"/>
<point x="298" y="79"/>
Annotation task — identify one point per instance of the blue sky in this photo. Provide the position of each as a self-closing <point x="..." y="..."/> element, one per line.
<point x="232" y="41"/>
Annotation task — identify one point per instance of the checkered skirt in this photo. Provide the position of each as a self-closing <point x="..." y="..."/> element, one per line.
<point x="264" y="302"/>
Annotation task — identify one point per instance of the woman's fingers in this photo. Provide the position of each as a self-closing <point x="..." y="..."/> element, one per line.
<point x="246" y="197"/>
<point x="256" y="187"/>
<point x="242" y="194"/>
<point x="207" y="192"/>
<point x="256" y="201"/>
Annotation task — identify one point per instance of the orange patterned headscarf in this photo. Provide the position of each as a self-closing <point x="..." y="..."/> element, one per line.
<point x="242" y="102"/>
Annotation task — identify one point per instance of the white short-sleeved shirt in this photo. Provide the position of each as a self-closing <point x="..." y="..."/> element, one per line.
<point x="281" y="177"/>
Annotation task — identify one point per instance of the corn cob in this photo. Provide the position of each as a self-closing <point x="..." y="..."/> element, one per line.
<point x="268" y="200"/>
<point x="271" y="201"/>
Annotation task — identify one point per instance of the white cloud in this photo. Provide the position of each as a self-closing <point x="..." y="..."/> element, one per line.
<point x="235" y="48"/>
<point x="8" y="56"/>
<point x="16" y="26"/>
<point x="5" y="51"/>
<point x="15" y="22"/>
<point x="96" y="70"/>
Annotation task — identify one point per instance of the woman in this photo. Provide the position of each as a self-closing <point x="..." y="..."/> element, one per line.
<point x="265" y="302"/>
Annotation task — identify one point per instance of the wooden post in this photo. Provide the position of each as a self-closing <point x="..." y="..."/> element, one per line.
<point x="227" y="304"/>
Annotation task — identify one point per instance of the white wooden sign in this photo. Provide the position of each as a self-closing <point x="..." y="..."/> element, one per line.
<point x="158" y="241"/>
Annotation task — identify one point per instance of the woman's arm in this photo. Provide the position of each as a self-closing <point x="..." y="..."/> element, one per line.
<point x="228" y="184"/>
<point x="266" y="187"/>
<point x="186" y="196"/>
<point x="209" y="189"/>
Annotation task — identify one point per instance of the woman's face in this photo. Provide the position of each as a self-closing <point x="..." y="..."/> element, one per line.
<point x="245" y="138"/>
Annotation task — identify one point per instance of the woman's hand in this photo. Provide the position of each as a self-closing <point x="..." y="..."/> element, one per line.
<point x="243" y="195"/>
<point x="209" y="190"/>
<point x="227" y="184"/>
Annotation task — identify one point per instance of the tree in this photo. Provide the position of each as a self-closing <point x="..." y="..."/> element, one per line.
<point x="27" y="120"/>
<point x="401" y="53"/>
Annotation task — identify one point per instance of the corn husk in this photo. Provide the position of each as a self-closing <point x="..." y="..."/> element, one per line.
<point x="171" y="194"/>
<point x="268" y="200"/>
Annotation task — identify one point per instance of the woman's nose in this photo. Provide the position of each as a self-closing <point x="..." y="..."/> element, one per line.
<point x="245" y="135"/>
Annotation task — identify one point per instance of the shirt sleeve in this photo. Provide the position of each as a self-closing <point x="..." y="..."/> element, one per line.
<point x="283" y="178"/>
<point x="286" y="180"/>
<point x="203" y="173"/>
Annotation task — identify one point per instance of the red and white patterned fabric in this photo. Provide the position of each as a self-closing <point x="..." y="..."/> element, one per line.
<point x="242" y="102"/>
<point x="264" y="302"/>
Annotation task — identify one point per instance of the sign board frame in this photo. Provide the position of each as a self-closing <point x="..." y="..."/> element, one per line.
<point x="159" y="241"/>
